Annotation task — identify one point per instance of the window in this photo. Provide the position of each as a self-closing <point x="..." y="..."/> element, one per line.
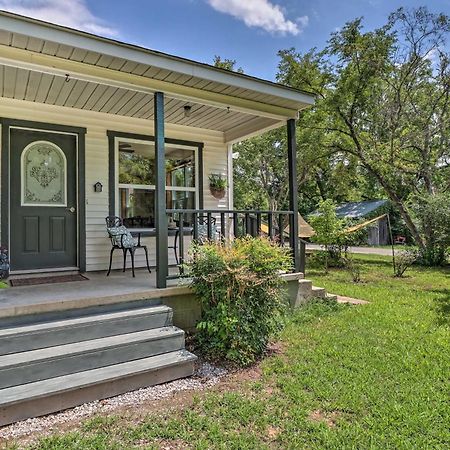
<point x="136" y="180"/>
<point x="43" y="175"/>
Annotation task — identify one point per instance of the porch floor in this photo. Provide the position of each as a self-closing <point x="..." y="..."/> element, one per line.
<point x="97" y="290"/>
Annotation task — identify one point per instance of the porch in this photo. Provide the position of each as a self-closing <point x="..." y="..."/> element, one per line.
<point x="109" y="99"/>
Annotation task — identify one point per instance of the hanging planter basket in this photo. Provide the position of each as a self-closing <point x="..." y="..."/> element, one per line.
<point x="217" y="193"/>
<point x="217" y="185"/>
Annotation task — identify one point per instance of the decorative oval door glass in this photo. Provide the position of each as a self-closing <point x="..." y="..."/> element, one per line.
<point x="43" y="175"/>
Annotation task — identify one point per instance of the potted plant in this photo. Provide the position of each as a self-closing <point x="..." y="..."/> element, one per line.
<point x="217" y="185"/>
<point x="4" y="265"/>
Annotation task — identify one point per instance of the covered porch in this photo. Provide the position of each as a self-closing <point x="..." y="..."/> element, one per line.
<point x="125" y="105"/>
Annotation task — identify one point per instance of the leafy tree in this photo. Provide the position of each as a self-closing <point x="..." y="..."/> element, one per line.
<point x="383" y="103"/>
<point x="227" y="64"/>
<point x="431" y="213"/>
<point x="328" y="227"/>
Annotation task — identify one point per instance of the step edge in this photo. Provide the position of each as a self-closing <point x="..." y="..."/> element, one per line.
<point x="179" y="357"/>
<point x="62" y="304"/>
<point x="57" y="324"/>
<point x="167" y="334"/>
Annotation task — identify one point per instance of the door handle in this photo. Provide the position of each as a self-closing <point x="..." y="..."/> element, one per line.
<point x="71" y="209"/>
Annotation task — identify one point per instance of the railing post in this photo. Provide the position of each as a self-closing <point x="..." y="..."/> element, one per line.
<point x="222" y="227"/>
<point x="247" y="231"/>
<point x="162" y="263"/>
<point x="270" y="225"/>
<point x="293" y="191"/>
<point x="195" y="225"/>
<point x="208" y="224"/>
<point x="281" y="228"/>
<point x="302" y="255"/>
<point x="235" y="225"/>
<point x="181" y="236"/>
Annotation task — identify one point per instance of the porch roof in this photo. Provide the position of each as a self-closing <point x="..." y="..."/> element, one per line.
<point x="113" y="77"/>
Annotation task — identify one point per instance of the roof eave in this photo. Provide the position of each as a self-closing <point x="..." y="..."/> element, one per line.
<point x="63" y="35"/>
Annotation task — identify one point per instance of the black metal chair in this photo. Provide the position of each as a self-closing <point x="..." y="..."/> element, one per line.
<point x="202" y="229"/>
<point x="174" y="247"/>
<point x="121" y="239"/>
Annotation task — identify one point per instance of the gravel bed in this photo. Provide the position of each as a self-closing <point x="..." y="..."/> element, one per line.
<point x="205" y="376"/>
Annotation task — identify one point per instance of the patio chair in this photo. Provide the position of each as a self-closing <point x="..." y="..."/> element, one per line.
<point x="202" y="229"/>
<point x="121" y="239"/>
<point x="174" y="247"/>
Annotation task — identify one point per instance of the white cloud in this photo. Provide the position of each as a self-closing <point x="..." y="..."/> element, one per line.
<point x="70" y="13"/>
<point x="260" y="13"/>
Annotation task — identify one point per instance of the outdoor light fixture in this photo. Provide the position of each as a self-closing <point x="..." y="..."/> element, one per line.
<point x="187" y="110"/>
<point x="98" y="187"/>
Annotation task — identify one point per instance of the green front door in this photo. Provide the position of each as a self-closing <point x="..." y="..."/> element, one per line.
<point x="43" y="200"/>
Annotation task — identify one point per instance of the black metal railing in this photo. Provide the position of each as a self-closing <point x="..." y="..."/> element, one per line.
<point x="215" y="224"/>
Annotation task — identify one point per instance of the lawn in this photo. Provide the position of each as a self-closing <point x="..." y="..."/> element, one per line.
<point x="348" y="377"/>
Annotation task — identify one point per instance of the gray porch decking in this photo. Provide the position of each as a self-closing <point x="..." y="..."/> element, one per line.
<point x="97" y="290"/>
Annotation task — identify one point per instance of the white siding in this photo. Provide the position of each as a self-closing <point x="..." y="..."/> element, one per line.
<point x="97" y="243"/>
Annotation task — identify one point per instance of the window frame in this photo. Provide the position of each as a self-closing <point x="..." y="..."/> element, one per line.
<point x="197" y="148"/>
<point x="23" y="155"/>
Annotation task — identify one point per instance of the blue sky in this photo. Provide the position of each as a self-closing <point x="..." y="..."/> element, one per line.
<point x="249" y="31"/>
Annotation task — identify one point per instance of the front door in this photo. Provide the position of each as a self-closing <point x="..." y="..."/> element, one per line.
<point x="43" y="200"/>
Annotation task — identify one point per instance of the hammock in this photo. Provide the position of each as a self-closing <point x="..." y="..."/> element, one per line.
<point x="363" y="224"/>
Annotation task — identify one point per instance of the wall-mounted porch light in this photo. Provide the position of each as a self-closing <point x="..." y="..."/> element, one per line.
<point x="98" y="187"/>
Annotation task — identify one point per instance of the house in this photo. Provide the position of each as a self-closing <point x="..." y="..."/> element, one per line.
<point x="370" y="215"/>
<point x="90" y="128"/>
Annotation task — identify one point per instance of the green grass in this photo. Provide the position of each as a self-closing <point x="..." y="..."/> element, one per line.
<point x="365" y="377"/>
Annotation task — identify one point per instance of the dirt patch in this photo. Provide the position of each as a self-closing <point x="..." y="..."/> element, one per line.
<point x="165" y="444"/>
<point x="328" y="418"/>
<point x="272" y="432"/>
<point x="276" y="348"/>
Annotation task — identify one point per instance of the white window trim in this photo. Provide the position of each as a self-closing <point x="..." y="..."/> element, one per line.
<point x="22" y="180"/>
<point x="152" y="187"/>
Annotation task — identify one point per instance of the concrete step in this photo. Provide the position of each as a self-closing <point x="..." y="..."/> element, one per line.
<point x="318" y="292"/>
<point x="304" y="289"/>
<point x="43" y="397"/>
<point x="59" y="332"/>
<point x="57" y="361"/>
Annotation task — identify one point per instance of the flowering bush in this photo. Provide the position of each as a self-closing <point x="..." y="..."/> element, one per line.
<point x="241" y="294"/>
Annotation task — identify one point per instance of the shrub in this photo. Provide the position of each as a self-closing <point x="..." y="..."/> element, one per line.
<point x="320" y="258"/>
<point x="353" y="267"/>
<point x="241" y="295"/>
<point x="404" y="260"/>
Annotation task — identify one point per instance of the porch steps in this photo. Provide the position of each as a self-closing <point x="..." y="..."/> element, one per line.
<point x="319" y="292"/>
<point x="47" y="366"/>
<point x="47" y="396"/>
<point x="78" y="329"/>
<point x="307" y="291"/>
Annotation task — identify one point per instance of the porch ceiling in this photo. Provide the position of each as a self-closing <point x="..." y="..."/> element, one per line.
<point x="116" y="78"/>
<point x="40" y="87"/>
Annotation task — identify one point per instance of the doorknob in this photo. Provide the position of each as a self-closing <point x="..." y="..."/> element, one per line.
<point x="71" y="209"/>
